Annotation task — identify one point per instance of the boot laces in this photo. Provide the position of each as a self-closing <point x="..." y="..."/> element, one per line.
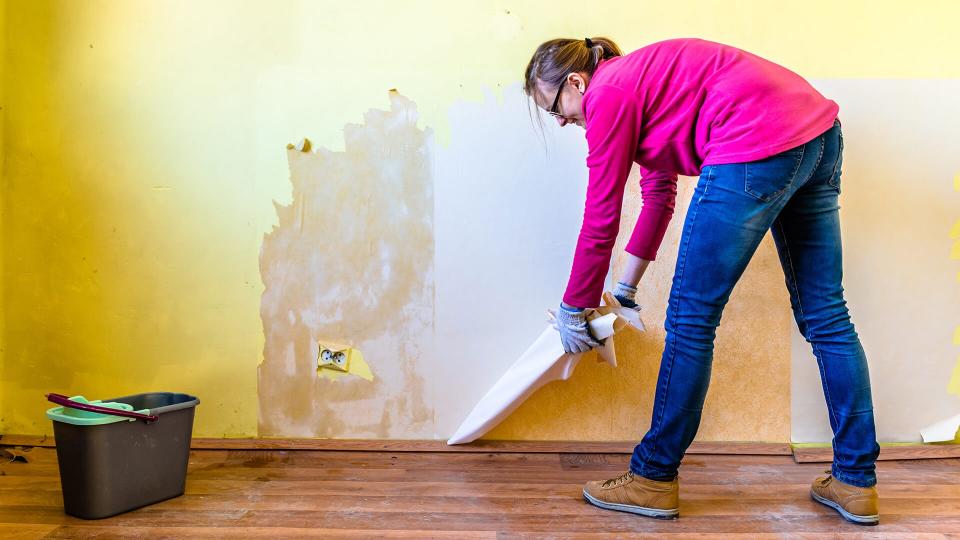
<point x="618" y="480"/>
<point x="826" y="479"/>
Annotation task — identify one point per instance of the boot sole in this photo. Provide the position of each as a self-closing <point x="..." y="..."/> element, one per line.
<point x="639" y="510"/>
<point x="853" y="518"/>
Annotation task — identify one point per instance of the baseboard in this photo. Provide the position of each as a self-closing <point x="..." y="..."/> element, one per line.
<point x="562" y="447"/>
<point x="800" y="454"/>
<point x="379" y="445"/>
<point x="887" y="453"/>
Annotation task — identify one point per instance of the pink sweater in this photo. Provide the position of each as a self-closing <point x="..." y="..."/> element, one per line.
<point x="673" y="107"/>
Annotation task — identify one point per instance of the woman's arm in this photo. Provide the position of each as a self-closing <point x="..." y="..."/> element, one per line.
<point x="613" y="132"/>
<point x="659" y="192"/>
<point x="633" y="270"/>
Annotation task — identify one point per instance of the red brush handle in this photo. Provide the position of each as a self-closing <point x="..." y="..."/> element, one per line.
<point x="61" y="399"/>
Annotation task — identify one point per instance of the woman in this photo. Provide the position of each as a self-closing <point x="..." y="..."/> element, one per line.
<point x="768" y="148"/>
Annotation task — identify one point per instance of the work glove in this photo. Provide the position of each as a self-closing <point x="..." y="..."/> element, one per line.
<point x="626" y="295"/>
<point x="574" y="332"/>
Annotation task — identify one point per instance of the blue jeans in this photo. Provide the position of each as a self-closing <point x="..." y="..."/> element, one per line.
<point x="794" y="194"/>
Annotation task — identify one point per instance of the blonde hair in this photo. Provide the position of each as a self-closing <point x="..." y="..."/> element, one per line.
<point x="555" y="59"/>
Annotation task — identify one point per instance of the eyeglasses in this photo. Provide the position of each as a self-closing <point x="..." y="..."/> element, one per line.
<point x="556" y="101"/>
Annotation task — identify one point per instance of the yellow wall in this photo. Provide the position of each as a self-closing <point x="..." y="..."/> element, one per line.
<point x="3" y="186"/>
<point x="144" y="144"/>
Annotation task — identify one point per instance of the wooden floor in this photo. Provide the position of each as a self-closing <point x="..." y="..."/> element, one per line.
<point x="328" y="494"/>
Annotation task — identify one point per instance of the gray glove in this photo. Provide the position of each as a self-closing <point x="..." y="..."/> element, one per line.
<point x="574" y="332"/>
<point x="626" y="295"/>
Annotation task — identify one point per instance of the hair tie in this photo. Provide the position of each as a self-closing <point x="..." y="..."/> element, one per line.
<point x="588" y="42"/>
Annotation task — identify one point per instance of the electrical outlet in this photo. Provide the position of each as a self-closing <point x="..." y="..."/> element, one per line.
<point x="336" y="360"/>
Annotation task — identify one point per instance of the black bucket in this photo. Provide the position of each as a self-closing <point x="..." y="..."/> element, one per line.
<point x="123" y="453"/>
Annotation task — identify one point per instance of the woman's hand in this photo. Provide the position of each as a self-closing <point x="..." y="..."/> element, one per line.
<point x="574" y="332"/>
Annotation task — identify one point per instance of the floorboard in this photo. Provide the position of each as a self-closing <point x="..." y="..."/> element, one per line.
<point x="447" y="495"/>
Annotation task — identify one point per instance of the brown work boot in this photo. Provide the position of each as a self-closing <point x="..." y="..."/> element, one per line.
<point x="856" y="504"/>
<point x="635" y="494"/>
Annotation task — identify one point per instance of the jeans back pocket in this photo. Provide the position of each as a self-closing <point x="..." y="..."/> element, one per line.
<point x="768" y="178"/>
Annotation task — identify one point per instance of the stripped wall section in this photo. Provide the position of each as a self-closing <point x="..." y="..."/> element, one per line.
<point x="351" y="262"/>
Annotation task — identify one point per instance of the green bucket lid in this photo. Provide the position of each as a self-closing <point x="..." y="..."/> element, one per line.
<point x="77" y="417"/>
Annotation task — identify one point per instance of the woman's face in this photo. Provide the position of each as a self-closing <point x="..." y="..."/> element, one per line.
<point x="565" y="104"/>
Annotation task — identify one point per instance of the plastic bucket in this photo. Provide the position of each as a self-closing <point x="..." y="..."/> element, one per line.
<point x="123" y="453"/>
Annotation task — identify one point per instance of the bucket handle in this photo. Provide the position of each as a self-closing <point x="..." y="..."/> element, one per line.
<point x="61" y="399"/>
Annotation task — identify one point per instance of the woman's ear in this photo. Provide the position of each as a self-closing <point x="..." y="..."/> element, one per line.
<point x="578" y="80"/>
